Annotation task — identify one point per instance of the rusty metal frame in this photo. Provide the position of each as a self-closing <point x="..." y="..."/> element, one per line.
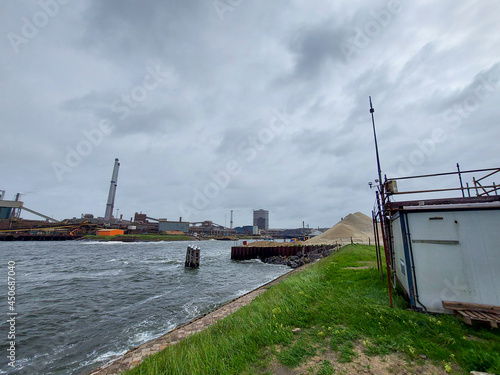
<point x="387" y="208"/>
<point x="477" y="185"/>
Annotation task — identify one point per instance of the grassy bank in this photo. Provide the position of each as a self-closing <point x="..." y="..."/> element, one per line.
<point x="329" y="315"/>
<point x="138" y="237"/>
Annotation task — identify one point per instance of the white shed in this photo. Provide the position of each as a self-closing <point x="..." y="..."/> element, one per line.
<point x="447" y="251"/>
<point x="444" y="252"/>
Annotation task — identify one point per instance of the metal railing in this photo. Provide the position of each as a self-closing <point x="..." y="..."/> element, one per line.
<point x="478" y="185"/>
<point x="478" y="188"/>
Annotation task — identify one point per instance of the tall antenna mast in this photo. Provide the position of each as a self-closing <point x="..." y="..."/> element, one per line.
<point x="381" y="208"/>
<point x="376" y="144"/>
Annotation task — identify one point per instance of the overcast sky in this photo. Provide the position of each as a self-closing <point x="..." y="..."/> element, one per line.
<point x="238" y="104"/>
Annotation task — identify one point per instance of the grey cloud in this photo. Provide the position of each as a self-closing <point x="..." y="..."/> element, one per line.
<point x="225" y="79"/>
<point x="166" y="120"/>
<point x="88" y="103"/>
<point x="483" y="85"/>
<point x="315" y="47"/>
<point x="324" y="143"/>
<point x="128" y="27"/>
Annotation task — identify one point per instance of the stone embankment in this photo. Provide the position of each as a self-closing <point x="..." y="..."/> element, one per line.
<point x="301" y="257"/>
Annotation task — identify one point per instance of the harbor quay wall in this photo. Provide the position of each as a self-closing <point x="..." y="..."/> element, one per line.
<point x="37" y="237"/>
<point x="249" y="252"/>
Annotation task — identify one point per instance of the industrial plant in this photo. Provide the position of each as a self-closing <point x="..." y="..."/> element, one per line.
<point x="13" y="227"/>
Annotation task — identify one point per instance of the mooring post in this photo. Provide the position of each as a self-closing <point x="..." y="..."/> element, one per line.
<point x="192" y="257"/>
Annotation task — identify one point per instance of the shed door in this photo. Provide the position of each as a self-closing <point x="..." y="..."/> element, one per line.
<point x="440" y="268"/>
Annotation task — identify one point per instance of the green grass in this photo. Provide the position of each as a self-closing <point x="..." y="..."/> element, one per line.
<point x="335" y="308"/>
<point x="139" y="237"/>
<point x="326" y="368"/>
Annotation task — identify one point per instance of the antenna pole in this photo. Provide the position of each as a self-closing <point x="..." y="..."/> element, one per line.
<point x="381" y="210"/>
<point x="376" y="144"/>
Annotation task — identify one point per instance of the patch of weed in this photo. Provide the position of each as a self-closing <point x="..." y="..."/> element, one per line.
<point x="326" y="368"/>
<point x="295" y="355"/>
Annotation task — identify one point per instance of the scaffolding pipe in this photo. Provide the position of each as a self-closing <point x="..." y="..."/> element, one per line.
<point x="460" y="178"/>
<point x="448" y="174"/>
<point x="386" y="249"/>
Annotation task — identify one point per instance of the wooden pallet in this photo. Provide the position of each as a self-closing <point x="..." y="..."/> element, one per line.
<point x="470" y="312"/>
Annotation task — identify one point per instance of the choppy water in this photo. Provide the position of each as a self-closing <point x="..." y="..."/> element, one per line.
<point x="81" y="304"/>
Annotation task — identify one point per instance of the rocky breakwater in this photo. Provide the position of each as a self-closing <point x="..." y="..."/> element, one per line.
<point x="301" y="257"/>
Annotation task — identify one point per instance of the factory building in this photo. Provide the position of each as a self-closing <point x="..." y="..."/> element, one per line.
<point x="140" y="218"/>
<point x="261" y="219"/>
<point x="12" y="209"/>
<point x="173" y="226"/>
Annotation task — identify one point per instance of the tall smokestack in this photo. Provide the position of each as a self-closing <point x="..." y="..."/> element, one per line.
<point x="231" y="223"/>
<point x="112" y="191"/>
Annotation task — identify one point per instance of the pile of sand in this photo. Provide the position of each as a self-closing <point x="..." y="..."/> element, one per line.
<point x="357" y="226"/>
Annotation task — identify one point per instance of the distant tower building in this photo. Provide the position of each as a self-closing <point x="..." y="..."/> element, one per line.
<point x="261" y="219"/>
<point x="112" y="192"/>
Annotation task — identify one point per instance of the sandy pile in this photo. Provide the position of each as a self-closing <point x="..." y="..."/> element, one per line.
<point x="358" y="226"/>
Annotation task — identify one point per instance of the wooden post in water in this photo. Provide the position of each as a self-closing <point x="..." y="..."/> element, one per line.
<point x="192" y="257"/>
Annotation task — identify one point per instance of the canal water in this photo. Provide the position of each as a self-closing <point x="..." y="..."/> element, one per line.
<point x="81" y="304"/>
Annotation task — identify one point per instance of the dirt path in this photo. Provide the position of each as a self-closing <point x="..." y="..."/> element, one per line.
<point x="394" y="363"/>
